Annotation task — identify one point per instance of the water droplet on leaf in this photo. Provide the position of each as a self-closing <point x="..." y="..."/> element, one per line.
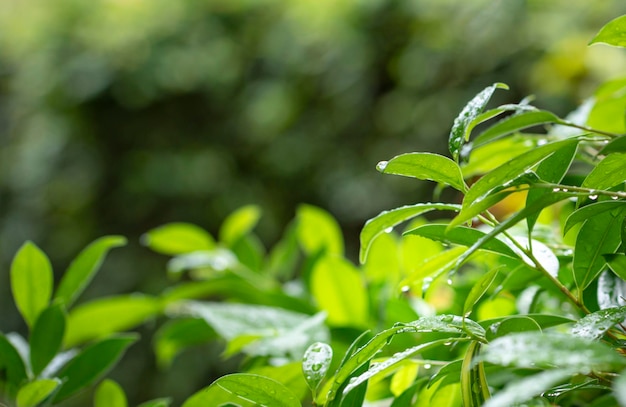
<point x="382" y="165"/>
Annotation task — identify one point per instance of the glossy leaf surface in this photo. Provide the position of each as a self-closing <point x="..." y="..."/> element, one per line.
<point x="425" y="166"/>
<point x="527" y="388"/>
<point x="515" y="123"/>
<point x="594" y="326"/>
<point x="613" y="33"/>
<point x="315" y="363"/>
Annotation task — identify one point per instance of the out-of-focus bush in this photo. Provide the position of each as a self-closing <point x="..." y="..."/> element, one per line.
<point x="119" y="115"/>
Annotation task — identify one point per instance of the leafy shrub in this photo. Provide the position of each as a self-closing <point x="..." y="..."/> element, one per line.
<point x="518" y="298"/>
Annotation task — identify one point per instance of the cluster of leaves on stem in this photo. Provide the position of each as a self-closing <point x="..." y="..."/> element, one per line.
<point x="492" y="307"/>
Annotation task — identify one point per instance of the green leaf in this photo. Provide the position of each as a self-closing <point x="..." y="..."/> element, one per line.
<point x="479" y="289"/>
<point x="599" y="235"/>
<point x="318" y="231"/>
<point x="239" y="223"/>
<point x="109" y="394"/>
<point x="356" y="397"/>
<point x="449" y="373"/>
<point x="551" y="350"/>
<point x="588" y="211"/>
<point x="315" y="364"/>
<point x="512" y="170"/>
<point x="290" y="375"/>
<point x="609" y="172"/>
<point x="613" y="33"/>
<point x="102" y="317"/>
<point x="388" y="219"/>
<point x="244" y="390"/>
<point x="281" y="332"/>
<point x="432" y="268"/>
<point x="462" y="236"/>
<point x="474" y="388"/>
<point x="390" y="363"/>
<point x="594" y="326"/>
<point x="84" y="267"/>
<point x="425" y="166"/>
<point x="617" y="145"/>
<point x="160" y="402"/>
<point x="178" y="334"/>
<point x="527" y="388"/>
<point x="31" y="281"/>
<point x="330" y="278"/>
<point x="35" y="392"/>
<point x="489" y="156"/>
<point x="542" y="320"/>
<point x="12" y="368"/>
<point x="178" y="238"/>
<point x="476" y="208"/>
<point x="469" y="113"/>
<point x="508" y="325"/>
<point x="92" y="364"/>
<point x="617" y="264"/>
<point x="515" y="123"/>
<point x="46" y="337"/>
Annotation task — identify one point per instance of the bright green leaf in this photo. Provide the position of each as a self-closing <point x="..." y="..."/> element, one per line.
<point x="315" y="364"/>
<point x="109" y="394"/>
<point x="239" y="223"/>
<point x="594" y="326"/>
<point x="489" y="156"/>
<point x="474" y="388"/>
<point x="318" y="230"/>
<point x="479" y="289"/>
<point x="289" y="374"/>
<point x="84" y="267"/>
<point x="527" y="388"/>
<point x="469" y="113"/>
<point x="92" y="363"/>
<point x="599" y="235"/>
<point x="617" y="264"/>
<point x="330" y="278"/>
<point x="617" y="145"/>
<point x="33" y="393"/>
<point x="244" y="390"/>
<point x="588" y="211"/>
<point x="515" y="123"/>
<point x="160" y="402"/>
<point x="425" y="166"/>
<point x="388" y="219"/>
<point x="477" y="207"/>
<point x="31" y="281"/>
<point x="178" y="238"/>
<point x="432" y="268"/>
<point x="47" y="337"/>
<point x="609" y="172"/>
<point x="102" y="317"/>
<point x="514" y="323"/>
<point x="612" y="33"/>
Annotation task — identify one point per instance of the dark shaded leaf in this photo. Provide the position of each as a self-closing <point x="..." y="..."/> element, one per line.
<point x="46" y="337"/>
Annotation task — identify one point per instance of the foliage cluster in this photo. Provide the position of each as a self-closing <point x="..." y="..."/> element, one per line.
<point x="483" y="309"/>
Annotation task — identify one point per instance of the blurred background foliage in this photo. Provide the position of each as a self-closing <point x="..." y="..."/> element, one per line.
<point x="117" y="116"/>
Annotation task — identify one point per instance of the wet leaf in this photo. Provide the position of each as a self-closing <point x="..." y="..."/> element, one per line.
<point x="425" y="166"/>
<point x="31" y="281"/>
<point x="474" y="387"/>
<point x="46" y="337"/>
<point x="104" y="316"/>
<point x="607" y="173"/>
<point x="613" y="33"/>
<point x="617" y="264"/>
<point x="617" y="145"/>
<point x="551" y="350"/>
<point x="315" y="364"/>
<point x="244" y="390"/>
<point x="388" y="219"/>
<point x="479" y="289"/>
<point x="109" y="394"/>
<point x="432" y="268"/>
<point x="35" y="392"/>
<point x="239" y="223"/>
<point x="588" y="211"/>
<point x="594" y="326"/>
<point x="599" y="235"/>
<point x="527" y="388"/>
<point x="178" y="238"/>
<point x="466" y="117"/>
<point x="84" y="267"/>
<point x="515" y="323"/>
<point x="92" y="363"/>
<point x="515" y="123"/>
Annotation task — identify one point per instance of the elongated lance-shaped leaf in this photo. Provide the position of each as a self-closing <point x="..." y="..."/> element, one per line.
<point x="463" y="236"/>
<point x="35" y="392"/>
<point x="552" y="169"/>
<point x="389" y="219"/>
<point x="598" y="236"/>
<point x="609" y="172"/>
<point x="589" y="211"/>
<point x="527" y="388"/>
<point x="534" y="207"/>
<point x="594" y="326"/>
<point x="490" y="114"/>
<point x="84" y="267"/>
<point x="617" y="145"/>
<point x="315" y="363"/>
<point x="468" y="114"/>
<point x="613" y="33"/>
<point x="515" y="123"/>
<point x="551" y="350"/>
<point x="478" y="207"/>
<point x="479" y="289"/>
<point x="178" y="238"/>
<point x="92" y="363"/>
<point x="244" y="390"/>
<point x="511" y="170"/>
<point x="31" y="281"/>
<point x="13" y="366"/>
<point x="382" y="367"/>
<point x="474" y="387"/>
<point x="431" y="269"/>
<point x="426" y="166"/>
<point x="543" y="320"/>
<point x="239" y="223"/>
<point x="46" y="337"/>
